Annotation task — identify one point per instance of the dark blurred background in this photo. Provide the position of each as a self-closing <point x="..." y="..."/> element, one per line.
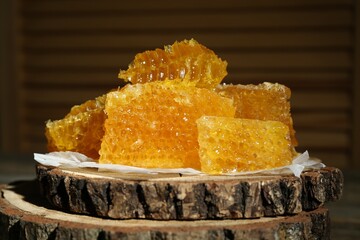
<point x="55" y="54"/>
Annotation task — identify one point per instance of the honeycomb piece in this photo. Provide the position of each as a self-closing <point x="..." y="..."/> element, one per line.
<point x="183" y="60"/>
<point x="266" y="101"/>
<point x="153" y="125"/>
<point x="80" y="130"/>
<point x="236" y="145"/>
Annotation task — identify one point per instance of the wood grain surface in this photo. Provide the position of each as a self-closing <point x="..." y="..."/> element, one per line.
<point x="165" y="197"/>
<point x="24" y="214"/>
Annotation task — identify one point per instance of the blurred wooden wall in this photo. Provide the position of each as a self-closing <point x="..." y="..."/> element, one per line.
<point x="71" y="51"/>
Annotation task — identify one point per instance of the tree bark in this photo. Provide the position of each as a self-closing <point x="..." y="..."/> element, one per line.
<point x="25" y="215"/>
<point x="164" y="197"/>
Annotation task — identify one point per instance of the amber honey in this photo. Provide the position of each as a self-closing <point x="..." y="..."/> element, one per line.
<point x="154" y="124"/>
<point x="80" y="131"/>
<point x="266" y="101"/>
<point x="187" y="60"/>
<point x="237" y="145"/>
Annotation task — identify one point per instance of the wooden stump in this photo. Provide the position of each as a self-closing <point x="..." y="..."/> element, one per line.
<point x="165" y="197"/>
<point x="25" y="215"/>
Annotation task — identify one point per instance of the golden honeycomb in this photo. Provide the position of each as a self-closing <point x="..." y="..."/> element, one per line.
<point x="266" y="101"/>
<point x="183" y="60"/>
<point x="229" y="145"/>
<point x="153" y="125"/>
<point x="81" y="130"/>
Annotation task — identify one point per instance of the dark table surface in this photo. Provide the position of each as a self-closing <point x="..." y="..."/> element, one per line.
<point x="345" y="213"/>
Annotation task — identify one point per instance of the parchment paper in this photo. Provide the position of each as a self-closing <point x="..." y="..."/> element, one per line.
<point x="77" y="160"/>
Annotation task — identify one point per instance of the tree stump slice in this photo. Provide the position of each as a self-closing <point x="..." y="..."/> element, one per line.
<point x="174" y="197"/>
<point x="24" y="214"/>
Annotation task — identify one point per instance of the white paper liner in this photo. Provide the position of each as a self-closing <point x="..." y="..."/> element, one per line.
<point x="77" y="160"/>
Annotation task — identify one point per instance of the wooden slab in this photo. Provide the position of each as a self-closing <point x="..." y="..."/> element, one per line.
<point x="165" y="197"/>
<point x="25" y="215"/>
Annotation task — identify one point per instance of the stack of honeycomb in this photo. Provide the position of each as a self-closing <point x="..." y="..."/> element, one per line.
<point x="174" y="114"/>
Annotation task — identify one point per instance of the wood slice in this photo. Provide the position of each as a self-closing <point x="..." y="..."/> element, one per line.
<point x="165" y="197"/>
<point x="25" y="215"/>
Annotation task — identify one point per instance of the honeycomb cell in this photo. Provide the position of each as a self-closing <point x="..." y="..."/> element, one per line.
<point x="183" y="60"/>
<point x="228" y="145"/>
<point x="153" y="125"/>
<point x="81" y="130"/>
<point x="266" y="101"/>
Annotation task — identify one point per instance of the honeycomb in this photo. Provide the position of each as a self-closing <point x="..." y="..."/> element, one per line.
<point x="183" y="60"/>
<point x="81" y="130"/>
<point x="266" y="101"/>
<point x="235" y="145"/>
<point x="153" y="125"/>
